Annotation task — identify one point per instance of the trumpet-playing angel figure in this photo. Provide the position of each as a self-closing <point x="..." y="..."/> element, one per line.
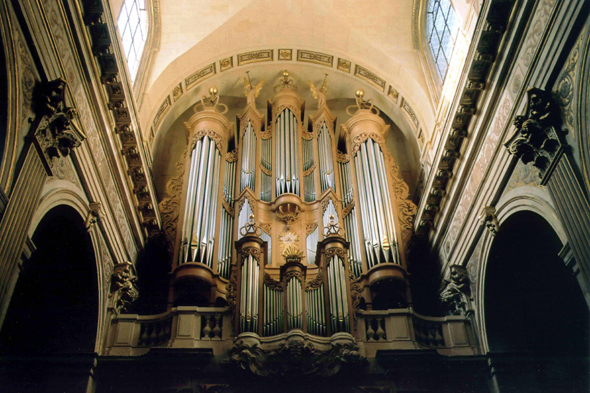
<point x="252" y="92"/>
<point x="320" y="94"/>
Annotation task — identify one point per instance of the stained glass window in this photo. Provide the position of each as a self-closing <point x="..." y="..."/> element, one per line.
<point x="133" y="27"/>
<point x="442" y="30"/>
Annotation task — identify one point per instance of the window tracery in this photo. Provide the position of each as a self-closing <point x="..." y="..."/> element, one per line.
<point x="133" y="25"/>
<point x="442" y="28"/>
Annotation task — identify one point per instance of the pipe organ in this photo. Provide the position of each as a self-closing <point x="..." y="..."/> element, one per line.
<point x="290" y="254"/>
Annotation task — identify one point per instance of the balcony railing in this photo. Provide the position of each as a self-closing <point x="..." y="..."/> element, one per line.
<point x="181" y="327"/>
<point x="403" y="329"/>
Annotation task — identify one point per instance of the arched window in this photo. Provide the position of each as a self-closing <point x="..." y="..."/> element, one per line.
<point x="133" y="26"/>
<point x="442" y="29"/>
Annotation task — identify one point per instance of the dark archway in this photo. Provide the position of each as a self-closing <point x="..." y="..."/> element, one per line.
<point x="537" y="321"/>
<point x="54" y="306"/>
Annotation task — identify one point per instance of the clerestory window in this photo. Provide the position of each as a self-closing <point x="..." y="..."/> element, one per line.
<point x="442" y="30"/>
<point x="133" y="25"/>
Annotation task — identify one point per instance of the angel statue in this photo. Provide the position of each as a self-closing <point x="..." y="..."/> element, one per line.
<point x="252" y="92"/>
<point x="320" y="94"/>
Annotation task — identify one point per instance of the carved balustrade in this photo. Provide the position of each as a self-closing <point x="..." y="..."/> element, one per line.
<point x="404" y="329"/>
<point x="181" y="327"/>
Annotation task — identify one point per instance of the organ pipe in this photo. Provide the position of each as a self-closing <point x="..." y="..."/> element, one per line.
<point x="311" y="242"/>
<point x="244" y="216"/>
<point x="326" y="160"/>
<point x="338" y="295"/>
<point x="351" y="234"/>
<point x="225" y="244"/>
<point x="345" y="183"/>
<point x="247" y="178"/>
<point x="249" y="295"/>
<point x="287" y="155"/>
<point x="266" y="170"/>
<point x="201" y="203"/>
<point x="308" y="170"/>
<point x="375" y="203"/>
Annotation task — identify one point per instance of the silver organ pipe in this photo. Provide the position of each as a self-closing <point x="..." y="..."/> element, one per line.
<point x="229" y="182"/>
<point x="338" y="295"/>
<point x="247" y="178"/>
<point x="273" y="311"/>
<point x="266" y="170"/>
<point x="249" y="295"/>
<point x="352" y="236"/>
<point x="311" y="243"/>
<point x="345" y="183"/>
<point x="326" y="159"/>
<point x="294" y="304"/>
<point x="375" y="202"/>
<point x="266" y="237"/>
<point x="225" y="244"/>
<point x="287" y="156"/>
<point x="308" y="170"/>
<point x="315" y="311"/>
<point x="244" y="216"/>
<point x="201" y="204"/>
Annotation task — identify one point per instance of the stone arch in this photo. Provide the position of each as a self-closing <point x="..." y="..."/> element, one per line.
<point x="532" y="312"/>
<point x="55" y="303"/>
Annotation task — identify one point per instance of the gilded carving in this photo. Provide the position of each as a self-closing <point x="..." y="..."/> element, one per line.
<point x="310" y="170"/>
<point x="265" y="171"/>
<point x="177" y="92"/>
<point x="346" y="211"/>
<point x="344" y="65"/>
<point x="209" y="133"/>
<point x="231" y="156"/>
<point x="309" y="228"/>
<point x="393" y="94"/>
<point x="341" y="252"/>
<point x="228" y="208"/>
<point x="294" y="274"/>
<point x="319" y="94"/>
<point x="285" y="82"/>
<point x="251" y="92"/>
<point x="170" y="206"/>
<point x="162" y="110"/>
<point x="285" y="54"/>
<point x="226" y="63"/>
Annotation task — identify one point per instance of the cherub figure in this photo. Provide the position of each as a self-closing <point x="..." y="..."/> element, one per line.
<point x="320" y="94"/>
<point x="252" y="92"/>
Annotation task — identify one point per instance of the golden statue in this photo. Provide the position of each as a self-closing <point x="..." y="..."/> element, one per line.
<point x="320" y="94"/>
<point x="252" y="92"/>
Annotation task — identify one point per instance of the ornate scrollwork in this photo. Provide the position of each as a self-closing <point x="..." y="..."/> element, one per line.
<point x="246" y="251"/>
<point x="123" y="290"/>
<point x="341" y="252"/>
<point x="296" y="274"/>
<point x="296" y="357"/>
<point x="230" y="210"/>
<point x="333" y="228"/>
<point x="231" y="156"/>
<point x="342" y="157"/>
<point x="272" y="284"/>
<point x="202" y="133"/>
<point x="359" y="139"/>
<point x="455" y="293"/>
<point x="316" y="282"/>
<point x="170" y="206"/>
<point x="309" y="228"/>
<point x="537" y="138"/>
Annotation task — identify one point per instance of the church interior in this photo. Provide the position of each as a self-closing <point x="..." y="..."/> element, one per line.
<point x="221" y="196"/>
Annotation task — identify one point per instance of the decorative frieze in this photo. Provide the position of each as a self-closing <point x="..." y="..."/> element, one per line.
<point x="344" y="65"/>
<point x="370" y="77"/>
<point x="255" y="57"/>
<point x="285" y="54"/>
<point x="200" y="75"/>
<point x="226" y="63"/>
<point x="315" y="57"/>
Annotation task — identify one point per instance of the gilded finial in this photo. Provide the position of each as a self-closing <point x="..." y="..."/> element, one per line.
<point x="210" y="103"/>
<point x="250" y="227"/>
<point x="285" y="82"/>
<point x="361" y="104"/>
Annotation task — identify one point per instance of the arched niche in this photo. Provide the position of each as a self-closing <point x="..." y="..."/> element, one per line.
<point x="55" y="303"/>
<point x="536" y="318"/>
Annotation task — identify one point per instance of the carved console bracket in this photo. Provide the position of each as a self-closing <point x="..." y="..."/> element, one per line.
<point x="537" y="138"/>
<point x="455" y="293"/>
<point x="56" y="135"/>
<point x="123" y="290"/>
<point x="489" y="219"/>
